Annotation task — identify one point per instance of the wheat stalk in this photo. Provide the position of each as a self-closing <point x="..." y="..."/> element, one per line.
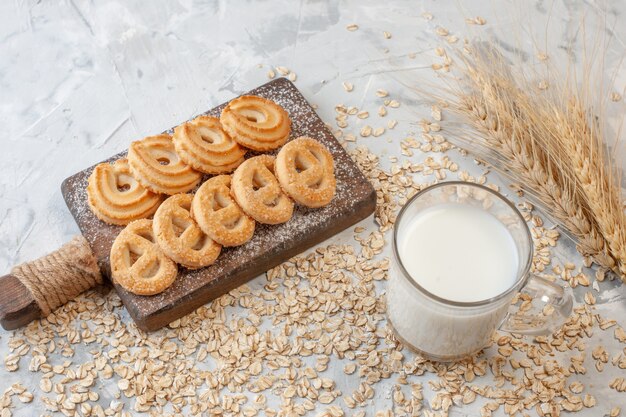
<point x="579" y="146"/>
<point x="548" y="147"/>
<point x="575" y="134"/>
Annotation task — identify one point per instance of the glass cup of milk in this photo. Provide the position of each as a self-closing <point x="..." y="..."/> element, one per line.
<point x="461" y="253"/>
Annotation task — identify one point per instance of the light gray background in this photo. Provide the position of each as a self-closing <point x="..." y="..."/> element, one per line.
<point x="80" y="79"/>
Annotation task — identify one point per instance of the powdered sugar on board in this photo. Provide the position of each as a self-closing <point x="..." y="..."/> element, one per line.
<point x="270" y="245"/>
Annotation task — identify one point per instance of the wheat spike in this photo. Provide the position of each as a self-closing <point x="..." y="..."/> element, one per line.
<point x="580" y="147"/>
<point x="549" y="148"/>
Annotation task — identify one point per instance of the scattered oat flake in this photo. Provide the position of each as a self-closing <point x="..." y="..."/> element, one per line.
<point x="392" y="123"/>
<point x="25" y="397"/>
<point x="427" y="16"/>
<point x="615" y="96"/>
<point x="589" y="401"/>
<point x="620" y="334"/>
<point x="348" y="86"/>
<point x="378" y="131"/>
<point x="123" y="384"/>
<point x="352" y="27"/>
<point x="381" y="93"/>
<point x="618" y="384"/>
<point x="292" y="76"/>
<point x="542" y="56"/>
<point x="366" y="131"/>
<point x="387" y="35"/>
<point x="441" y="31"/>
<point x="595" y="286"/>
<point x="607" y="324"/>
<point x="45" y="384"/>
<point x="282" y="70"/>
<point x="271" y="74"/>
<point x="475" y="21"/>
<point x="349" y="368"/>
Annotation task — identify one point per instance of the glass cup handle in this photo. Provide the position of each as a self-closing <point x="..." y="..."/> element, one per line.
<point x="557" y="301"/>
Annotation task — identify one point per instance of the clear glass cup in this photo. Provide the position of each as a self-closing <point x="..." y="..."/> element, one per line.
<point x="445" y="330"/>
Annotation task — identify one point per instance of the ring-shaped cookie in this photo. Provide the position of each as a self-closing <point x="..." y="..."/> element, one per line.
<point x="179" y="236"/>
<point x="256" y="190"/>
<point x="116" y="197"/>
<point x="218" y="215"/>
<point x="156" y="165"/>
<point x="137" y="262"/>
<point x="305" y="171"/>
<point x="256" y="123"/>
<point x="203" y="144"/>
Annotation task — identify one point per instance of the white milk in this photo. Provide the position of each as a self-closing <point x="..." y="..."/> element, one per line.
<point x="460" y="253"/>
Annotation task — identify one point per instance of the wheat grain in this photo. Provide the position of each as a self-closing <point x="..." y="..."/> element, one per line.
<point x="549" y="150"/>
<point x="579" y="146"/>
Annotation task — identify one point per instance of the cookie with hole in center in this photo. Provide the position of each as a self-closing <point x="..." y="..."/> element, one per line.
<point x="256" y="123"/>
<point x="256" y="190"/>
<point x="137" y="262"/>
<point x="156" y="165"/>
<point x="219" y="215"/>
<point x="203" y="144"/>
<point x="180" y="237"/>
<point x="305" y="170"/>
<point x="116" y="197"/>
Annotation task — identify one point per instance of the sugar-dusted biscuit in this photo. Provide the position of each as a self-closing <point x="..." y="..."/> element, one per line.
<point x="137" y="262"/>
<point x="218" y="215"/>
<point x="116" y="197"/>
<point x="256" y="123"/>
<point x="179" y="237"/>
<point x="305" y="170"/>
<point x="156" y="165"/>
<point x="258" y="193"/>
<point x="203" y="144"/>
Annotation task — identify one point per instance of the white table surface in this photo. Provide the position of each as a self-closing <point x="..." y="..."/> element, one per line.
<point x="80" y="79"/>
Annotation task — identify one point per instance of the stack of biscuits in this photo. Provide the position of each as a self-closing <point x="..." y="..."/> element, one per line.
<point x="190" y="229"/>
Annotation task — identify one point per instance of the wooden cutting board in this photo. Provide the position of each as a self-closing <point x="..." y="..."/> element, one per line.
<point x="271" y="245"/>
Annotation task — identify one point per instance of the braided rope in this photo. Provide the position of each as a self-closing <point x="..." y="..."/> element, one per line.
<point x="60" y="276"/>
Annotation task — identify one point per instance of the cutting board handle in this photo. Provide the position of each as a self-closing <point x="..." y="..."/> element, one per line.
<point x="35" y="289"/>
